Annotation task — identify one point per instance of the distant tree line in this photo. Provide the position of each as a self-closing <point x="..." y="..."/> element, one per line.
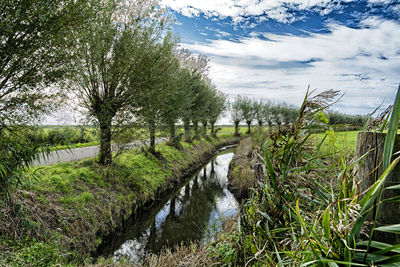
<point x="265" y="112"/>
<point x="262" y="112"/>
<point x="337" y="118"/>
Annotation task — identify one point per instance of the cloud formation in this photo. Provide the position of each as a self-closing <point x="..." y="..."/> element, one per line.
<point x="279" y="10"/>
<point x="364" y="63"/>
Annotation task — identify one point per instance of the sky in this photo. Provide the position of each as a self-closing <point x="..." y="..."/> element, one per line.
<point x="274" y="49"/>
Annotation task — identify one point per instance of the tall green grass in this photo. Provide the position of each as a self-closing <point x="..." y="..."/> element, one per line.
<point x="308" y="212"/>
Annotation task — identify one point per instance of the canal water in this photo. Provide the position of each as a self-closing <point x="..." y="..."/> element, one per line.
<point x="194" y="212"/>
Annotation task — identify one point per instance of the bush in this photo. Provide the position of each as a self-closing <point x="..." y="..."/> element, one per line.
<point x="65" y="135"/>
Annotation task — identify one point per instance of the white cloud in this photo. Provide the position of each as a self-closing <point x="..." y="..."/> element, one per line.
<point x="236" y="9"/>
<point x="362" y="63"/>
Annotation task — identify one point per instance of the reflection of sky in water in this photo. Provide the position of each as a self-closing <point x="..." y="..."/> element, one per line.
<point x="222" y="204"/>
<point x="162" y="215"/>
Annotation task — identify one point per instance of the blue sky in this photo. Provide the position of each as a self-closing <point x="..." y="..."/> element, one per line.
<point x="274" y="49"/>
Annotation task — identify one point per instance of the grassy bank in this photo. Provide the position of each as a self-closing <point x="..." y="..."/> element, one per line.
<point x="61" y="217"/>
<point x="241" y="171"/>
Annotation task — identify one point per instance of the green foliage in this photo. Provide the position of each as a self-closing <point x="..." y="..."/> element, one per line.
<point x="35" y="37"/>
<point x="171" y="154"/>
<point x="392" y="132"/>
<point x="249" y="111"/>
<point x="218" y="105"/>
<point x="16" y="154"/>
<point x="336" y="118"/>
<point x="295" y="217"/>
<point x="237" y="112"/>
<point x="225" y="251"/>
<point x="115" y="61"/>
<point x="60" y="177"/>
<point x="65" y="135"/>
<point x="77" y="200"/>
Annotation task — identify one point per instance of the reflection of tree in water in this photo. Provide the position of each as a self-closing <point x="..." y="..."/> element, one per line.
<point x="183" y="217"/>
<point x="197" y="204"/>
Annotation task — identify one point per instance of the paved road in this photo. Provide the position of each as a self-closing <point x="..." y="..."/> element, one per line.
<point x="82" y="153"/>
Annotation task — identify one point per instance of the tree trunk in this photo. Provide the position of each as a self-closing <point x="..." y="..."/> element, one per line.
<point x="369" y="172"/>
<point x="152" y="130"/>
<point x="186" y="127"/>
<point x="260" y="123"/>
<point x="212" y="130"/>
<point x="236" y="128"/>
<point x="172" y="132"/>
<point x="248" y="127"/>
<point x="196" y="130"/>
<point x="172" y="136"/>
<point x="204" y="123"/>
<point x="105" y="157"/>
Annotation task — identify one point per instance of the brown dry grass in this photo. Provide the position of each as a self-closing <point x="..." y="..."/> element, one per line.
<point x="193" y="255"/>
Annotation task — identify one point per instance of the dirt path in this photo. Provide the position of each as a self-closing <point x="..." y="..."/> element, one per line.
<point x="81" y="153"/>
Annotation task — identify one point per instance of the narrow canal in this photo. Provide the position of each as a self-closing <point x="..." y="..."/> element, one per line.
<point x="194" y="212"/>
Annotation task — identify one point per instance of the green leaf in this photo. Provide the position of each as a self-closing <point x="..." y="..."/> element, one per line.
<point x="368" y="201"/>
<point x="392" y="199"/>
<point x="392" y="131"/>
<point x="253" y="249"/>
<point x="251" y="210"/>
<point x="332" y="261"/>
<point x="381" y="246"/>
<point x="395" y="228"/>
<point x="369" y="257"/>
<point x="394" y="187"/>
<point x="321" y="117"/>
<point x="326" y="223"/>
<point x="270" y="168"/>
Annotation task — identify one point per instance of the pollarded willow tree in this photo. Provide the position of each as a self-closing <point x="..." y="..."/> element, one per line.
<point x="267" y="114"/>
<point x="208" y="94"/>
<point x="196" y="68"/>
<point x="216" y="109"/>
<point x="276" y="111"/>
<point x="111" y="56"/>
<point x="179" y="101"/>
<point x="260" y="109"/>
<point x="237" y="112"/>
<point x="200" y="107"/>
<point x="289" y="113"/>
<point x="248" y="112"/>
<point x="160" y="99"/>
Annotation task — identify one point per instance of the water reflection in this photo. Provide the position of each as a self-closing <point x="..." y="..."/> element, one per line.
<point x="195" y="209"/>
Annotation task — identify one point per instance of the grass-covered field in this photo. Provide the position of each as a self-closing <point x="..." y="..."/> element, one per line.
<point x="341" y="143"/>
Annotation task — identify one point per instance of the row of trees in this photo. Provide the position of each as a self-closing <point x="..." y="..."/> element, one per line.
<point x="118" y="59"/>
<point x="265" y="112"/>
<point x="128" y="72"/>
<point x="244" y="109"/>
<point x="336" y="118"/>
